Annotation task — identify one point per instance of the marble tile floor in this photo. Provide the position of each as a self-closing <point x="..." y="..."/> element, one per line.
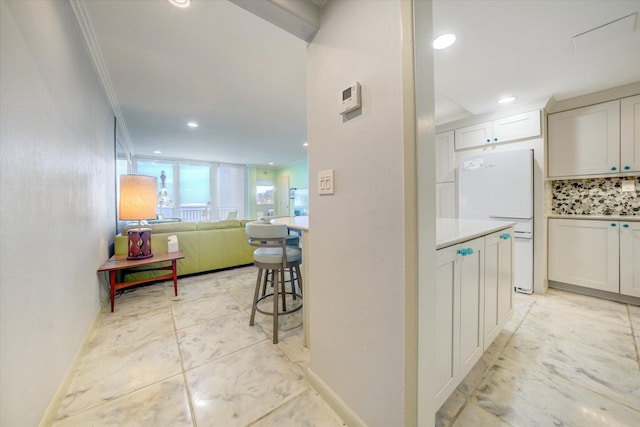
<point x="563" y="360"/>
<point x="193" y="360"/>
<point x="160" y="360"/>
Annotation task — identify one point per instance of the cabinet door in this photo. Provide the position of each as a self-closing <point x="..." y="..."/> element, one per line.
<point x="498" y="283"/>
<point x="473" y="136"/>
<point x="630" y="134"/>
<point x="520" y="126"/>
<point x="584" y="253"/>
<point x="471" y="304"/>
<point x="630" y="258"/>
<point x="446" y="200"/>
<point x="585" y="141"/>
<point x="447" y="323"/>
<point x="445" y="157"/>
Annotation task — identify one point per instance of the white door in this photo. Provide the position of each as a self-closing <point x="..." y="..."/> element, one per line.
<point x="445" y="157"/>
<point x="446" y="200"/>
<point x="630" y="258"/>
<point x="584" y="253"/>
<point x="630" y="134"/>
<point x="283" y="196"/>
<point x="498" y="283"/>
<point x="471" y="303"/>
<point x="447" y="323"/>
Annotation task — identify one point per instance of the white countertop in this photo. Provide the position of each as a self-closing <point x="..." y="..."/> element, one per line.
<point x="598" y="217"/>
<point x="294" y="222"/>
<point x="450" y="231"/>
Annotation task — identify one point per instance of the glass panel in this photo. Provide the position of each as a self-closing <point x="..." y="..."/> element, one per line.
<point x="231" y="192"/>
<point x="195" y="193"/>
<point x="164" y="173"/>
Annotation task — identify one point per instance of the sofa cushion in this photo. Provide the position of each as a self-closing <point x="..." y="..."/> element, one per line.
<point x="170" y="227"/>
<point x="216" y="225"/>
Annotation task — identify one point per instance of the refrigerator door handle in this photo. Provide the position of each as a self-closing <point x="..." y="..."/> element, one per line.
<point x="510" y="217"/>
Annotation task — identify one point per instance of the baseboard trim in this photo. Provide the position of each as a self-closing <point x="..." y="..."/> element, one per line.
<point x="51" y="412"/>
<point x="337" y="404"/>
<point x="625" y="299"/>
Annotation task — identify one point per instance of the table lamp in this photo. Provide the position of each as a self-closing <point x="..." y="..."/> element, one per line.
<point x="138" y="200"/>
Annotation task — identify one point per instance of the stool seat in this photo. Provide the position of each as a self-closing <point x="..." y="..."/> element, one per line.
<point x="274" y="255"/>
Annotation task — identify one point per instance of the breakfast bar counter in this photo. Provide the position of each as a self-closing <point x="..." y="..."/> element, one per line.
<point x="451" y="231"/>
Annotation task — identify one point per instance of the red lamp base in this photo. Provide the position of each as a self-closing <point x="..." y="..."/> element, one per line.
<point x="139" y="243"/>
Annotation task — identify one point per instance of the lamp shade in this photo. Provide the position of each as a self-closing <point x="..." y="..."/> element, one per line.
<point x="138" y="197"/>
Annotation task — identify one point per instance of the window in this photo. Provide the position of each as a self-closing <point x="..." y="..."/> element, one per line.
<point x="265" y="199"/>
<point x="197" y="192"/>
<point x="164" y="172"/>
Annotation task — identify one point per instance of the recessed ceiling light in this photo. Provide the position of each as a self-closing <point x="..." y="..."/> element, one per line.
<point x="180" y="3"/>
<point x="192" y="124"/>
<point x="305" y="144"/>
<point x="157" y="152"/>
<point x="270" y="163"/>
<point x="444" y="41"/>
<point x="506" y="99"/>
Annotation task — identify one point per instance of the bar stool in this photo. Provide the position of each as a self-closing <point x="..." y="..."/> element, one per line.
<point x="274" y="255"/>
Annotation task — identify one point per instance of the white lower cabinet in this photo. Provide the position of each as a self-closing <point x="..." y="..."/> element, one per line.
<point x="461" y="305"/>
<point x="630" y="258"/>
<point x="498" y="283"/>
<point x="595" y="254"/>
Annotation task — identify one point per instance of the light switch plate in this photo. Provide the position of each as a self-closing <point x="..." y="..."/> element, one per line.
<point x="326" y="183"/>
<point x="629" y="185"/>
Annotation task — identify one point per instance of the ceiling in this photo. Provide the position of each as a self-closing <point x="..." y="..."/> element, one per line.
<point x="243" y="80"/>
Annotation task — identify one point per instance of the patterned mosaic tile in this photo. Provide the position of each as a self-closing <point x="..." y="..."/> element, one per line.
<point x="596" y="196"/>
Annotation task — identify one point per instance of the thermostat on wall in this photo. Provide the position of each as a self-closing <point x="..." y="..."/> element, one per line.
<point x="350" y="98"/>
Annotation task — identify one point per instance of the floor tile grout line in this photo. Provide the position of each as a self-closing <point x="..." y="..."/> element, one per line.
<point x="277" y="407"/>
<point x="183" y="372"/>
<point x="474" y="390"/>
<point x="633" y="335"/>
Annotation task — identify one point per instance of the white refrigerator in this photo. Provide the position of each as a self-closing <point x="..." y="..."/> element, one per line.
<point x="499" y="186"/>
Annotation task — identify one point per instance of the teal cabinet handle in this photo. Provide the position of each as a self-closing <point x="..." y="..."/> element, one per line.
<point x="627" y="168"/>
<point x="465" y="251"/>
<point x="613" y="168"/>
<point x="625" y="225"/>
<point x="505" y="236"/>
<point x="488" y="140"/>
<point x="613" y="224"/>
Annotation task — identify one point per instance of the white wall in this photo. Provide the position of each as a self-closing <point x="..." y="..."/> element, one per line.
<point x="56" y="201"/>
<point x="362" y="240"/>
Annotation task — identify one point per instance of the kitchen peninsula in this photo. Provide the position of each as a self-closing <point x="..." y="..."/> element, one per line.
<point x="474" y="294"/>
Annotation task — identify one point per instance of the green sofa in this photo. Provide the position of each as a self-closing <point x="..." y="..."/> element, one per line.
<point x="206" y="245"/>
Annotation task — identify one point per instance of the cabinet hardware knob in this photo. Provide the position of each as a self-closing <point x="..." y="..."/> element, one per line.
<point x="625" y="225"/>
<point x="627" y="168"/>
<point x="613" y="224"/>
<point x="505" y="236"/>
<point x="613" y="168"/>
<point x="465" y="251"/>
<point x="488" y="140"/>
<point x="495" y="139"/>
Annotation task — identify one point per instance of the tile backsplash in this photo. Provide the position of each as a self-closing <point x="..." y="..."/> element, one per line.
<point x="596" y="196"/>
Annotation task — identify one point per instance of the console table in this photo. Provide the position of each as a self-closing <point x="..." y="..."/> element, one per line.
<point x="121" y="263"/>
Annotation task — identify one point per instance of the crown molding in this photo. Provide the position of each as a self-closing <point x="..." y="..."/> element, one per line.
<point x="89" y="38"/>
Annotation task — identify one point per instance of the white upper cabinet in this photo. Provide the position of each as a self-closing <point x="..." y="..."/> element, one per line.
<point x="445" y="157"/>
<point x="585" y="141"/>
<point x="629" y="256"/>
<point x="520" y="126"/>
<point x="473" y="136"/>
<point x="630" y="134"/>
<point x="512" y="128"/>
